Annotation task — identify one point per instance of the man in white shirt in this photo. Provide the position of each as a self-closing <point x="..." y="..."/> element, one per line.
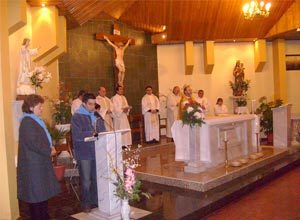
<point x="120" y="112"/>
<point x="77" y="102"/>
<point x="172" y="109"/>
<point x="150" y="109"/>
<point x="202" y="101"/>
<point x="106" y="107"/>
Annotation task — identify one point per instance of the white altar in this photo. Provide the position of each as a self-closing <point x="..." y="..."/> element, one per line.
<point x="203" y="147"/>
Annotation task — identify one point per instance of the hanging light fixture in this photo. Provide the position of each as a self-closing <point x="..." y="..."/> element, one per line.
<point x="254" y="9"/>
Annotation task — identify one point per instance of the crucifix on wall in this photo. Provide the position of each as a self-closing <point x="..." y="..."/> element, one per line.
<point x="119" y="43"/>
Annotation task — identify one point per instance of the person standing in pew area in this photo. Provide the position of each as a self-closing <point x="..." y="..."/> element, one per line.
<point x="84" y="124"/>
<point x="150" y="109"/>
<point x="35" y="175"/>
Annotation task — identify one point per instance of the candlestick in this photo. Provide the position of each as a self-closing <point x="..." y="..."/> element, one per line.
<point x="226" y="153"/>
<point x="257" y="143"/>
<point x="253" y="106"/>
<point x="225" y="136"/>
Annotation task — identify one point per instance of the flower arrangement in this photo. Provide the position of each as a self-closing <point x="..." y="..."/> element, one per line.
<point x="192" y="114"/>
<point x="39" y="76"/>
<point x="62" y="107"/>
<point x="265" y="110"/>
<point x="127" y="186"/>
<point x="62" y="112"/>
<point x="242" y="101"/>
<point x="239" y="88"/>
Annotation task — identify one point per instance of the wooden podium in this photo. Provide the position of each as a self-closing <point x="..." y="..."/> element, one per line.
<point x="108" y="149"/>
<point x="282" y="126"/>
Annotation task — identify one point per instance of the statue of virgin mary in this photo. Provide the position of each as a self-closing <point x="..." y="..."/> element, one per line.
<point x="24" y="86"/>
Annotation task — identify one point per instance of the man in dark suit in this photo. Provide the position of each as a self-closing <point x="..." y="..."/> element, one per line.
<point x="83" y="125"/>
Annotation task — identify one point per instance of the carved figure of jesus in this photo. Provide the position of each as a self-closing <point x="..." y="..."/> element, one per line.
<point x="119" y="61"/>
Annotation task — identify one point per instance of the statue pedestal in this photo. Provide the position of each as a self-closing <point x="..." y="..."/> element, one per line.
<point x="21" y="97"/>
<point x="25" y="89"/>
<point x="282" y="126"/>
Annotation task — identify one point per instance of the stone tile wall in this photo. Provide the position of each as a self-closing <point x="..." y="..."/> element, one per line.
<point x="89" y="63"/>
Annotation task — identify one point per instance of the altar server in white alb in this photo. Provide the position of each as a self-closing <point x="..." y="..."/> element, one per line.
<point x="150" y="109"/>
<point x="220" y="108"/>
<point x="76" y="103"/>
<point x="172" y="109"/>
<point x="120" y="112"/>
<point x="106" y="108"/>
<point x="202" y="100"/>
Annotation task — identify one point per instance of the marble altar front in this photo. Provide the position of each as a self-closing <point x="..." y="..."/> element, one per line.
<point x="203" y="147"/>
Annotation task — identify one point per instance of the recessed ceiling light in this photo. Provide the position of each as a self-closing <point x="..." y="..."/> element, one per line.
<point x="164" y="27"/>
<point x="298" y="29"/>
<point x="163" y="36"/>
<point x="43" y="5"/>
<point x="233" y="40"/>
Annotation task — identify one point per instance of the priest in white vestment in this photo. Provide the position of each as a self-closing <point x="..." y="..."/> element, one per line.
<point x="220" y="108"/>
<point x="202" y="100"/>
<point x="172" y="109"/>
<point x="106" y="108"/>
<point x="120" y="112"/>
<point x="150" y="109"/>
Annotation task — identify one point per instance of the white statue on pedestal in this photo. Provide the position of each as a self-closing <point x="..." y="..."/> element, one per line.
<point x="24" y="86"/>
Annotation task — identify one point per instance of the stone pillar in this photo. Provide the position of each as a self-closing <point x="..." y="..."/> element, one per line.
<point x="280" y="82"/>
<point x="189" y="57"/>
<point x="8" y="193"/>
<point x="260" y="54"/>
<point x="209" y="56"/>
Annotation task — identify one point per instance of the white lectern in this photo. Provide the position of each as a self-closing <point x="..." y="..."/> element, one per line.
<point x="282" y="126"/>
<point x="108" y="149"/>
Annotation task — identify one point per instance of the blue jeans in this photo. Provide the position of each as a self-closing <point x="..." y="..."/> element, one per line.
<point x="88" y="183"/>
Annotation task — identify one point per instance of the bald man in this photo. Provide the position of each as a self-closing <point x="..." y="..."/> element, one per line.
<point x="172" y="109"/>
<point x="106" y="108"/>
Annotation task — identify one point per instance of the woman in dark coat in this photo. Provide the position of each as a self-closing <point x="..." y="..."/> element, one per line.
<point x="35" y="175"/>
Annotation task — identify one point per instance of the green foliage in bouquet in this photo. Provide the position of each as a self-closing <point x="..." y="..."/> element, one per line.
<point x="192" y="114"/>
<point x="266" y="114"/>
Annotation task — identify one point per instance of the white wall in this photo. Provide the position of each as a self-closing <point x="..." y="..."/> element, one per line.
<point x="171" y="70"/>
<point x="293" y="77"/>
<point x="15" y="42"/>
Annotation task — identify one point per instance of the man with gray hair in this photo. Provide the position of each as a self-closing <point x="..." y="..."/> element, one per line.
<point x="106" y="108"/>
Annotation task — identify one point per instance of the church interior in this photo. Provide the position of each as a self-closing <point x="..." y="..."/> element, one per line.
<point x="232" y="152"/>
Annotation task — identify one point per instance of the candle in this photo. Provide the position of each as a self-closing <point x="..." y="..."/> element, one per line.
<point x="256" y="124"/>
<point x="225" y="135"/>
<point x="253" y="106"/>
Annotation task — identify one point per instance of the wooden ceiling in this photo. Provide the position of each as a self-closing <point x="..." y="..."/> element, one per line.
<point x="185" y="19"/>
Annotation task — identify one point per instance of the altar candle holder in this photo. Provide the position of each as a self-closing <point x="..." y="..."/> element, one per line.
<point x="226" y="153"/>
<point x="257" y="143"/>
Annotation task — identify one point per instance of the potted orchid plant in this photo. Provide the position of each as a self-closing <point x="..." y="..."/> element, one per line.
<point x="128" y="187"/>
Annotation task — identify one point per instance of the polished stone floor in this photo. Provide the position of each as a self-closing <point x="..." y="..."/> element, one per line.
<point x="158" y="165"/>
<point x="274" y="197"/>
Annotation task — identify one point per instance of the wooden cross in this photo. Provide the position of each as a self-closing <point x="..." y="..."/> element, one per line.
<point x="115" y="38"/>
